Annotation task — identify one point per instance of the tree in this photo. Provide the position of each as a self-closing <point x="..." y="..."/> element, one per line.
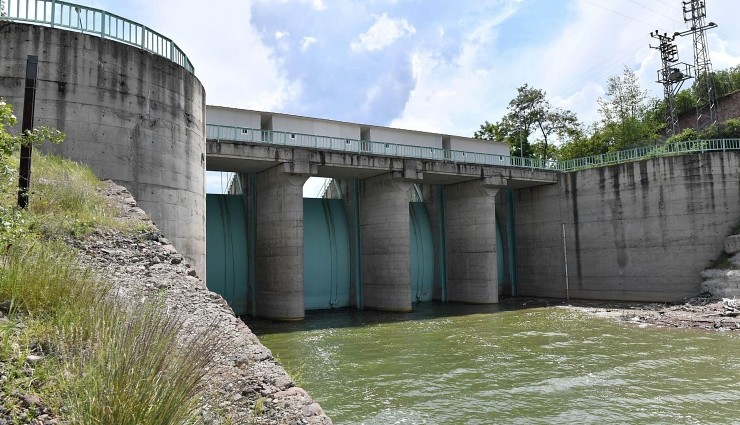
<point x="530" y="113"/>
<point x="628" y="117"/>
<point x="505" y="132"/>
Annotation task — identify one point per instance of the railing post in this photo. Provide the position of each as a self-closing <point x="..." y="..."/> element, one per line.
<point x="143" y="37"/>
<point x="53" y="11"/>
<point x="102" y="26"/>
<point x="172" y="50"/>
<point x="723" y="145"/>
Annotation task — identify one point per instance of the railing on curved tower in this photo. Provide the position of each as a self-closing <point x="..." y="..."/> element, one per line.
<point x="88" y="20"/>
<point x="251" y="135"/>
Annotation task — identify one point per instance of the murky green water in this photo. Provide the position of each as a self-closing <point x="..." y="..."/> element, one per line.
<point x="441" y="365"/>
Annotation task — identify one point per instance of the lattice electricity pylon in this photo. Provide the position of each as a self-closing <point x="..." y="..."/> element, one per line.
<point x="694" y="12"/>
<point x="671" y="75"/>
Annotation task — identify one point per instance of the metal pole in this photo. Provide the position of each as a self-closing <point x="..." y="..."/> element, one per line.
<point x="24" y="172"/>
<point x="521" y="146"/>
<point x="441" y="223"/>
<point x="565" y="256"/>
<point x="511" y="239"/>
<point x="359" y="302"/>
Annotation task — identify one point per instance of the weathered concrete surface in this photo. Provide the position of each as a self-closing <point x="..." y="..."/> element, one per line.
<point x="132" y="116"/>
<point x="732" y="244"/>
<point x="385" y="233"/>
<point x="471" y="243"/>
<point x="279" y="244"/>
<point x="639" y="231"/>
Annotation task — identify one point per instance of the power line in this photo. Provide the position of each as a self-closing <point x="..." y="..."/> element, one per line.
<point x="616" y="58"/>
<point x="669" y="5"/>
<point x="654" y="11"/>
<point x="620" y="13"/>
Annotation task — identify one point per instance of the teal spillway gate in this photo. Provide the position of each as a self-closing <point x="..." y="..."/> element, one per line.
<point x="326" y="254"/>
<point x="226" y="244"/>
<point x="422" y="253"/>
<point x="326" y="258"/>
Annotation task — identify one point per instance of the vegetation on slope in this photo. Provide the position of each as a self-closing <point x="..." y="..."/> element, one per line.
<point x="68" y="348"/>
<point x="628" y="118"/>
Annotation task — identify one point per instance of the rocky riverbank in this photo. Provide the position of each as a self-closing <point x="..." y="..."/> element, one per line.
<point x="246" y="384"/>
<point x="703" y="313"/>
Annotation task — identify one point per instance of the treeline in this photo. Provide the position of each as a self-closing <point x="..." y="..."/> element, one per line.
<point x="628" y="118"/>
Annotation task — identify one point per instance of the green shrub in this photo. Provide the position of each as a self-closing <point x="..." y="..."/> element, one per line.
<point x="685" y="135"/>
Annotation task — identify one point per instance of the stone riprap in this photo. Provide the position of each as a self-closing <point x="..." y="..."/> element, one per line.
<point x="244" y="371"/>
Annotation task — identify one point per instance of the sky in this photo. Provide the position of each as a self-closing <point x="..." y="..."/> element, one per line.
<point x="431" y="65"/>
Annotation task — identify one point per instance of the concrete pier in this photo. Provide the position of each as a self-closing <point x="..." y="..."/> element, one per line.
<point x="279" y="244"/>
<point x="386" y="260"/>
<point x="471" y="242"/>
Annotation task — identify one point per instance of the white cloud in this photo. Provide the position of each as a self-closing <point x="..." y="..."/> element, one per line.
<point x="384" y="32"/>
<point x="456" y="95"/>
<point x="234" y="65"/>
<point x="317" y="5"/>
<point x="306" y="42"/>
<point x="281" y="34"/>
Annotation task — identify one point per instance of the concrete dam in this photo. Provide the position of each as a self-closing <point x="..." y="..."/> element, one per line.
<point x="411" y="216"/>
<point x="636" y="231"/>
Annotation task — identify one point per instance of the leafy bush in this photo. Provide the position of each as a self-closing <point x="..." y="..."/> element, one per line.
<point x="685" y="135"/>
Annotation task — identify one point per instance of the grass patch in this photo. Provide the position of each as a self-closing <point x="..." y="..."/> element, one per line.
<point x="101" y="360"/>
<point x="259" y="406"/>
<point x="136" y="372"/>
<point x="67" y="199"/>
<point x="721" y="262"/>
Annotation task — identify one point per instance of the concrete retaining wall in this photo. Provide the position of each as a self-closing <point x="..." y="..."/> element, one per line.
<point x="132" y="116"/>
<point x="639" y="231"/>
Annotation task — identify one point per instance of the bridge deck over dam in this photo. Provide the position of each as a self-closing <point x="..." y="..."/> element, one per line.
<point x="247" y="150"/>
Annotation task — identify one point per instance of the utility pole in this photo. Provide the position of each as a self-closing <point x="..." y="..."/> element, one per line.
<point x="672" y="74"/>
<point x="29" y="101"/>
<point x="694" y="13"/>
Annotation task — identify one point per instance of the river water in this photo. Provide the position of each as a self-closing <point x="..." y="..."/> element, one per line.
<point x="455" y="364"/>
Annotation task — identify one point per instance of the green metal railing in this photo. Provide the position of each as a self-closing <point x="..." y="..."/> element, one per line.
<point x="637" y="154"/>
<point x="61" y="14"/>
<point x="251" y="135"/>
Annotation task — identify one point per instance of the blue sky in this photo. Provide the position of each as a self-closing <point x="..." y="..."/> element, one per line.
<point x="434" y="65"/>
